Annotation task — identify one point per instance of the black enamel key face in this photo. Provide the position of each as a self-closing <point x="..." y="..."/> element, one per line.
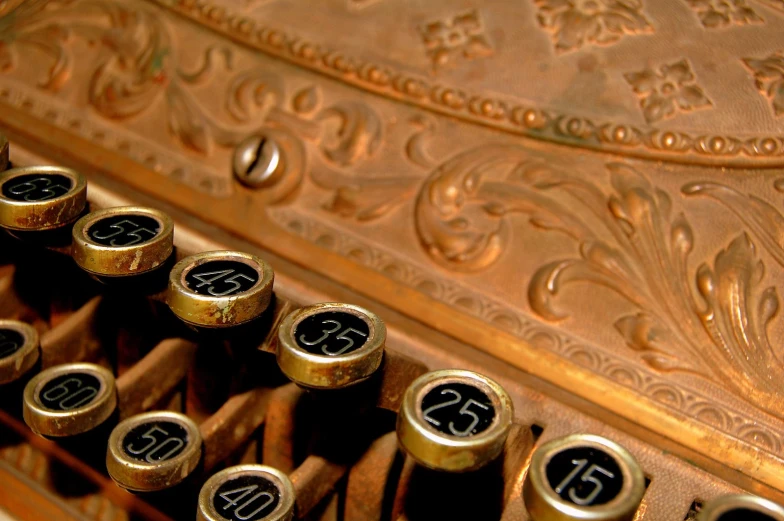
<point x="585" y="476"/>
<point x="10" y="342"/>
<point x="246" y="498"/>
<point x="458" y="409"/>
<point x="36" y="187"/>
<point x="221" y="278"/>
<point x="331" y="333"/>
<point x="124" y="230"/>
<point x="744" y="514"/>
<point x="68" y="392"/>
<point x="155" y="441"/>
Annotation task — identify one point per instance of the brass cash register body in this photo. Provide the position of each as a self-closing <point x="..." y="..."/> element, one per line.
<point x="582" y="198"/>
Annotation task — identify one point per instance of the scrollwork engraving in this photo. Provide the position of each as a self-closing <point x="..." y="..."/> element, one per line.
<point x="639" y="252"/>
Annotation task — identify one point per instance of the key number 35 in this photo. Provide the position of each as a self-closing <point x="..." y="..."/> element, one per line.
<point x="335" y="327"/>
<point x="589" y="476"/>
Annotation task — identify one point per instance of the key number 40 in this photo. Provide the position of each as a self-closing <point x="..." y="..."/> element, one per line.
<point x="260" y="499"/>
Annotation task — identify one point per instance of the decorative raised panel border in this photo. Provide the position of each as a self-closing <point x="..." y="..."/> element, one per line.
<point x="703" y="409"/>
<point x="504" y="114"/>
<point x="113" y="137"/>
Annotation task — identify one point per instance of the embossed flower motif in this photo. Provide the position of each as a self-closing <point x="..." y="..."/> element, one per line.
<point x="721" y="13"/>
<point x="574" y="23"/>
<point x="769" y="78"/>
<point x="461" y="35"/>
<point x="673" y="87"/>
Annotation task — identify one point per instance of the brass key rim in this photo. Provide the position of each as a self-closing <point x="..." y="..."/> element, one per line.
<point x="13" y="366"/>
<point x="43" y="215"/>
<point x="122" y="261"/>
<point x="284" y="511"/>
<point x="543" y="502"/>
<point x="716" y="508"/>
<point x="330" y="372"/>
<point x="439" y="451"/>
<point x="53" y="423"/>
<point x="141" y="476"/>
<point x="219" y="311"/>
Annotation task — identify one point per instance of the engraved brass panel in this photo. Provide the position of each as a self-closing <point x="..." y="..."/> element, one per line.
<point x="590" y="191"/>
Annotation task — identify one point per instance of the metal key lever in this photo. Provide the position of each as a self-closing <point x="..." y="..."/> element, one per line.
<point x="159" y="450"/>
<point x="73" y="399"/>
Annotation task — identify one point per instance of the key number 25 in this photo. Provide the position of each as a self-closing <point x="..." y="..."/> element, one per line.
<point x="336" y="326"/>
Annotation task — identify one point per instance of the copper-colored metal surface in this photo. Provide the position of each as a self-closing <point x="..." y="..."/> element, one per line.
<point x="580" y="199"/>
<point x="155" y="376"/>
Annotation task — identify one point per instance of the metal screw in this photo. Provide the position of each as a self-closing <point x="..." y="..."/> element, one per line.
<point x="257" y="161"/>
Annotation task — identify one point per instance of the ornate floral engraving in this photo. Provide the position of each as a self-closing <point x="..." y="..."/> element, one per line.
<point x="715" y="14"/>
<point x="640" y="253"/>
<point x="769" y="78"/>
<point x="518" y="118"/>
<point x="575" y="23"/>
<point x="762" y="218"/>
<point x="731" y="421"/>
<point x="460" y="35"/>
<point x="662" y="92"/>
<point x="138" y="72"/>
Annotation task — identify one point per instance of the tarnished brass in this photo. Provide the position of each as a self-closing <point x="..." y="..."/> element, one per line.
<point x="133" y="253"/>
<point x="227" y="306"/>
<point x="43" y="202"/>
<point x="150" y="470"/>
<point x="69" y="399"/>
<point x="580" y="199"/>
<point x="330" y="368"/>
<point x="250" y="506"/>
<point x="19" y="349"/>
<point x="741" y="506"/>
<point x="543" y="501"/>
<point x="445" y="451"/>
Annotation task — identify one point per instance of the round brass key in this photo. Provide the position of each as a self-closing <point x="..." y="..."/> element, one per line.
<point x="330" y="345"/>
<point x="122" y="241"/>
<point x="454" y="420"/>
<point x="153" y="451"/>
<point x="741" y="507"/>
<point x="69" y="399"/>
<point x="40" y="198"/>
<point x="583" y="477"/>
<point x="247" y="493"/>
<point x="220" y="288"/>
<point x="19" y="349"/>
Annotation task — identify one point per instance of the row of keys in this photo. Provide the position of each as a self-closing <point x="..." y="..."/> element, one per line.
<point x="451" y="420"/>
<point x="261" y="493"/>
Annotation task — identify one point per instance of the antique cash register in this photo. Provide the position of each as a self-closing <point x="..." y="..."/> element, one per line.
<point x="381" y="260"/>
